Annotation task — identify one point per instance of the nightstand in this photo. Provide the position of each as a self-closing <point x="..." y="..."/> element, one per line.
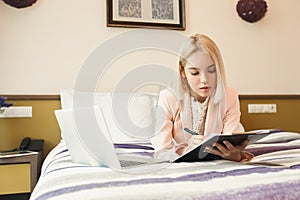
<point x="20" y="172"/>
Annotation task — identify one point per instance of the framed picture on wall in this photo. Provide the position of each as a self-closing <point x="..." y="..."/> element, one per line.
<point x="165" y="14"/>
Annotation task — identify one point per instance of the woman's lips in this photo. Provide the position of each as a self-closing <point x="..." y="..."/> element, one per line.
<point x="205" y="89"/>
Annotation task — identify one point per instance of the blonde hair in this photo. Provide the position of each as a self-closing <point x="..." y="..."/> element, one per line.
<point x="204" y="44"/>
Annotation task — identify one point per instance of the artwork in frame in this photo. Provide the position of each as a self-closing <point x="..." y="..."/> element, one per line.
<point x="164" y="14"/>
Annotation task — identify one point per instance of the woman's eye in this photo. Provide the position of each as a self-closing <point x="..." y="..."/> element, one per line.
<point x="194" y="73"/>
<point x="212" y="70"/>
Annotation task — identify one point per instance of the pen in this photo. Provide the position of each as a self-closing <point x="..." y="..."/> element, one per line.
<point x="190" y="131"/>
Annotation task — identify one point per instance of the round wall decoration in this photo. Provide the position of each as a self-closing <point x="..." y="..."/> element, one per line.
<point x="20" y="3"/>
<point x="251" y="10"/>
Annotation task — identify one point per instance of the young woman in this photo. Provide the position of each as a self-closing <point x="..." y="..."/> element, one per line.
<point x="201" y="102"/>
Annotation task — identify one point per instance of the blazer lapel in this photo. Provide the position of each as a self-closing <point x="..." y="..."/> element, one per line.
<point x="186" y="111"/>
<point x="210" y="122"/>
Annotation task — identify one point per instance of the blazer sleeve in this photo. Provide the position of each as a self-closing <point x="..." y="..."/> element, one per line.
<point x="231" y="119"/>
<point x="168" y="113"/>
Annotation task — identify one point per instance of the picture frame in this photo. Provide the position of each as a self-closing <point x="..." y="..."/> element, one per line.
<point x="162" y="14"/>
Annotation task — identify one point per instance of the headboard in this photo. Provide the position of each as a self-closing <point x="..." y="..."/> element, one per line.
<point x="43" y="124"/>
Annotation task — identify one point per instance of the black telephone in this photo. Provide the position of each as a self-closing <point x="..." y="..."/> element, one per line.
<point x="32" y="145"/>
<point x="25" y="143"/>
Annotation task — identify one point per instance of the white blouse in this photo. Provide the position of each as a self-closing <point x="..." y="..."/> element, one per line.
<point x="199" y="111"/>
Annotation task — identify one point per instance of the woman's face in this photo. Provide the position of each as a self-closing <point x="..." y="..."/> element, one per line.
<point x="200" y="72"/>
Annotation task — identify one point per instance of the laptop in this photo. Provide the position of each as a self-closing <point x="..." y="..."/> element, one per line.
<point x="89" y="144"/>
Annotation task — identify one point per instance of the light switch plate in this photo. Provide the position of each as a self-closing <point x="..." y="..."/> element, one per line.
<point x="17" y="111"/>
<point x="262" y="108"/>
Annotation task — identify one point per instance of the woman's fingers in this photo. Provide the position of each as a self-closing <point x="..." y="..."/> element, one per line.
<point x="244" y="145"/>
<point x="194" y="141"/>
<point x="227" y="151"/>
<point x="197" y="139"/>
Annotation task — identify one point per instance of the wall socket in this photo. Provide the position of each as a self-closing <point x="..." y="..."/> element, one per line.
<point x="17" y="111"/>
<point x="262" y="108"/>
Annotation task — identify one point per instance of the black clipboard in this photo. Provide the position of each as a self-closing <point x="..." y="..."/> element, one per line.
<point x="198" y="154"/>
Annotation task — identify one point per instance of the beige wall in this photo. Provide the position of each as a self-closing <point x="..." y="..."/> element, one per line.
<point x="43" y="46"/>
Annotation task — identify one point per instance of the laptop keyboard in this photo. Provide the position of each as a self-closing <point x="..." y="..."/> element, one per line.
<point x="127" y="163"/>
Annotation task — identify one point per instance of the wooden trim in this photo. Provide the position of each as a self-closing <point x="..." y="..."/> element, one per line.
<point x="242" y="96"/>
<point x="31" y="97"/>
<point x="270" y="96"/>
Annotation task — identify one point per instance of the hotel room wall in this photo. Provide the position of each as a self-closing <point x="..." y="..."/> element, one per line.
<point x="286" y="117"/>
<point x="43" y="47"/>
<point x="42" y="125"/>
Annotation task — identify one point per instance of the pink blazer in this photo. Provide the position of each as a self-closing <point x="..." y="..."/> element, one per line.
<point x="223" y="117"/>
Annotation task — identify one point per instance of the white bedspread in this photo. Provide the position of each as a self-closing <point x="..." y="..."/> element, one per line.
<point x="219" y="179"/>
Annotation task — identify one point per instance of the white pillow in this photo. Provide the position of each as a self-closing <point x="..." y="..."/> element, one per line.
<point x="280" y="137"/>
<point x="129" y="117"/>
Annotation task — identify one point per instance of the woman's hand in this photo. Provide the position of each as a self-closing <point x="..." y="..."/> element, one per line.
<point x="194" y="142"/>
<point x="228" y="151"/>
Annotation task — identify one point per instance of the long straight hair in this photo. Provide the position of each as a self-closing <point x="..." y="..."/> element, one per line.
<point x="204" y="44"/>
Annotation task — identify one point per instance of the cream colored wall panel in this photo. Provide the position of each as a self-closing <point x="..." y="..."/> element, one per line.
<point x="43" y="46"/>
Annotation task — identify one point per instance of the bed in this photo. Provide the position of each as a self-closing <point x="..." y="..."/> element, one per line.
<point x="274" y="173"/>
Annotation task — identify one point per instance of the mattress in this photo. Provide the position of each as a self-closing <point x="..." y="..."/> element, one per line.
<point x="274" y="173"/>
